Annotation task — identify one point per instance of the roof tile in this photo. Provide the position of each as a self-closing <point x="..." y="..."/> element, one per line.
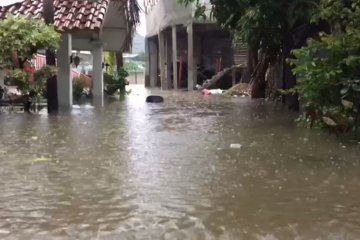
<point x="69" y="14"/>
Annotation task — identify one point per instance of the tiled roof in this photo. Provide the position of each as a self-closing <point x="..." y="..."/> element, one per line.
<point x="70" y="15"/>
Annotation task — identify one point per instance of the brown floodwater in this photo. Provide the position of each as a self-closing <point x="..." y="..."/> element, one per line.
<point x="132" y="170"/>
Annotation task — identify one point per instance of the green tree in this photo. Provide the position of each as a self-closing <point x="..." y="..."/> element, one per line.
<point x="269" y="29"/>
<point x="20" y="39"/>
<point x="142" y="56"/>
<point x="132" y="11"/>
<point x="328" y="69"/>
<point x="110" y="58"/>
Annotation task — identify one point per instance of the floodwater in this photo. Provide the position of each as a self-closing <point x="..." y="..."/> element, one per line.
<point x="132" y="170"/>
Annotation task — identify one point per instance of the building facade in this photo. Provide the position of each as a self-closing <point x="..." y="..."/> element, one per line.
<point x="182" y="51"/>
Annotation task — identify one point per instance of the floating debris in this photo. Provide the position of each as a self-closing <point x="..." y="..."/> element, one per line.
<point x="253" y="144"/>
<point x="329" y="121"/>
<point x="241" y="89"/>
<point x="236" y="146"/>
<point x="207" y="92"/>
<point x="34" y="138"/>
<point x="42" y="159"/>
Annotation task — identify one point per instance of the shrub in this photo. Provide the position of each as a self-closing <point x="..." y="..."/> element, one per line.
<point x="115" y="81"/>
<point x="78" y="88"/>
<point x="328" y="72"/>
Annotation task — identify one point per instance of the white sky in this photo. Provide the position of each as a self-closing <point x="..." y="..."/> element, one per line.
<point x="141" y="28"/>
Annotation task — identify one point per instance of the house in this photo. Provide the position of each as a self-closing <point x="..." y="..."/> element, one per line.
<point x="94" y="26"/>
<point x="181" y="50"/>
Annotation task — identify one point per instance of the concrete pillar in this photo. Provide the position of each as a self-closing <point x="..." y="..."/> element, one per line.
<point x="147" y="63"/>
<point x="153" y="62"/>
<point x="191" y="82"/>
<point x="97" y="74"/>
<point x="64" y="83"/>
<point x="168" y="63"/>
<point x="174" y="57"/>
<point x="162" y="60"/>
<point x="2" y="76"/>
<point x="197" y="55"/>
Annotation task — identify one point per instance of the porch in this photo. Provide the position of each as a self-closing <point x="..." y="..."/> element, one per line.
<point x="183" y="56"/>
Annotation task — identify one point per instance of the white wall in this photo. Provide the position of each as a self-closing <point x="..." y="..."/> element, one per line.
<point x="166" y="13"/>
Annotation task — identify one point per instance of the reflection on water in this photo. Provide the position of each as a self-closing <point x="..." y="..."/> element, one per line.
<point x="132" y="170"/>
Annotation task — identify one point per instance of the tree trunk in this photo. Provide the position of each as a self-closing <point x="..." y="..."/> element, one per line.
<point x="293" y="39"/>
<point x="119" y="67"/>
<point x="258" y="83"/>
<point x="119" y="60"/>
<point x="51" y="83"/>
<point x="27" y="105"/>
<point x="289" y="79"/>
<point x="252" y="61"/>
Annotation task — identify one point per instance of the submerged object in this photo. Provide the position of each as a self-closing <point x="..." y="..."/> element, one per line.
<point x="154" y="99"/>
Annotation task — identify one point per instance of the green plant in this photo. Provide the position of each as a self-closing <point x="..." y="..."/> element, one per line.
<point x="21" y="38"/>
<point x="31" y="89"/>
<point x="131" y="67"/>
<point x="78" y="88"/>
<point x="268" y="28"/>
<point x="141" y="57"/>
<point x="110" y="59"/>
<point x="2" y="91"/>
<point x="328" y="70"/>
<point x="116" y="81"/>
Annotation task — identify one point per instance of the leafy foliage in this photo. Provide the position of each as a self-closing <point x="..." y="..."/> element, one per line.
<point x="78" y="88"/>
<point x="24" y="37"/>
<point x="259" y="23"/>
<point x="132" y="11"/>
<point x="110" y="59"/>
<point x="116" y="81"/>
<point x="268" y="28"/>
<point x="142" y="56"/>
<point x="35" y="88"/>
<point x="328" y="69"/>
<point x="20" y="39"/>
<point x="2" y="91"/>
